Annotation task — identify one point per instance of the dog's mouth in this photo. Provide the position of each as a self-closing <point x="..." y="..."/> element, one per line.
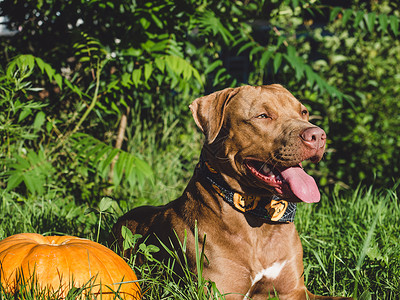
<point x="291" y="183"/>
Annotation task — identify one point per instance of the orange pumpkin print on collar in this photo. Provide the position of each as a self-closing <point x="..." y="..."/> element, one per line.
<point x="276" y="209"/>
<point x="245" y="203"/>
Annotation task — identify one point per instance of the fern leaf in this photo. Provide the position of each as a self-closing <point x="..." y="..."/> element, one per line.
<point x="99" y="156"/>
<point x="119" y="168"/>
<point x="33" y="170"/>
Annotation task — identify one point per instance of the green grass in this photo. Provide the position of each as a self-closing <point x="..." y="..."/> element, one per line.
<point x="351" y="243"/>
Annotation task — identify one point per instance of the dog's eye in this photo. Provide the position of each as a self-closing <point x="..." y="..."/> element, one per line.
<point x="304" y="112"/>
<point x="263" y="116"/>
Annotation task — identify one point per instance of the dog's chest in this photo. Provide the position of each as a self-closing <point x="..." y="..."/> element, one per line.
<point x="271" y="272"/>
<point x="261" y="249"/>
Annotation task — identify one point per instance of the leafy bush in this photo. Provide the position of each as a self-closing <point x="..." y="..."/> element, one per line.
<point x="364" y="130"/>
<point x="33" y="164"/>
<point x="100" y="72"/>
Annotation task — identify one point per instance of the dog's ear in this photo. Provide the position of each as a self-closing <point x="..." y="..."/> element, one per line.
<point x="208" y="112"/>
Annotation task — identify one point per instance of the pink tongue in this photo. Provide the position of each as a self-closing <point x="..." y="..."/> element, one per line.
<point x="302" y="185"/>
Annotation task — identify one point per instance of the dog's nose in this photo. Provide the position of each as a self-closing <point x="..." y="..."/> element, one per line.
<point x="314" y="137"/>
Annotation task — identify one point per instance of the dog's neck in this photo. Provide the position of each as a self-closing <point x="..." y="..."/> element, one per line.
<point x="270" y="208"/>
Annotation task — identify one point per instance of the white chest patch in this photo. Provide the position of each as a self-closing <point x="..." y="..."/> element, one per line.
<point x="271" y="272"/>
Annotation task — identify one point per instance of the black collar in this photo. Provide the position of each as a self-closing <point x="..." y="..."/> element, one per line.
<point x="273" y="209"/>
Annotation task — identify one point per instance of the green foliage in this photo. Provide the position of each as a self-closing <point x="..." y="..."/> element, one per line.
<point x="97" y="157"/>
<point x="151" y="58"/>
<point x="363" y="130"/>
<point x="33" y="169"/>
<point x="36" y="164"/>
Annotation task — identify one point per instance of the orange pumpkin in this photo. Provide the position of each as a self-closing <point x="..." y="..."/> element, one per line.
<point x="58" y="262"/>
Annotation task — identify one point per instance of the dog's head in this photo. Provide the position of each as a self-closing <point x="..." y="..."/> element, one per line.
<point x="257" y="137"/>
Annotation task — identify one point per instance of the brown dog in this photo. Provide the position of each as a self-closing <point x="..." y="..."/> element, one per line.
<point x="243" y="193"/>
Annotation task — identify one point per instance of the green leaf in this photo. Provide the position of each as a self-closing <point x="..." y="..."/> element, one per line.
<point x="196" y="75"/>
<point x="310" y="74"/>
<point x="334" y="13"/>
<point x="296" y="62"/>
<point x="238" y="40"/>
<point x="33" y="157"/>
<point x="173" y="63"/>
<point x="40" y="63"/>
<point x="119" y="168"/>
<point x="58" y="79"/>
<point x="145" y="23"/>
<point x="358" y="18"/>
<point x="115" y="107"/>
<point x="39" y="120"/>
<point x="24" y="114"/>
<point x="187" y="73"/>
<point x="73" y="88"/>
<point x="105" y="204"/>
<point x="213" y="66"/>
<point x="338" y="58"/>
<point x="265" y="58"/>
<point x="107" y="162"/>
<point x="29" y="60"/>
<point x="14" y="180"/>
<point x="370" y="20"/>
<point x="126" y="80"/>
<point x="394" y="24"/>
<point x="277" y="61"/>
<point x="129" y="170"/>
<point x="160" y="63"/>
<point x="34" y="183"/>
<point x="136" y="74"/>
<point x="49" y="127"/>
<point x="49" y="71"/>
<point x="22" y="163"/>
<point x="157" y="21"/>
<point x="366" y="295"/>
<point x="162" y="46"/>
<point x="295" y="4"/>
<point x="148" y="69"/>
<point x="246" y="46"/>
<point x="132" y="52"/>
<point x="383" y="22"/>
<point x="130" y="239"/>
<point x="220" y="72"/>
<point x="291" y="51"/>
<point x="102" y="150"/>
<point x="23" y="65"/>
<point x="281" y="39"/>
<point x="144" y="168"/>
<point x="255" y="50"/>
<point x="346" y="15"/>
<point x="11" y="68"/>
